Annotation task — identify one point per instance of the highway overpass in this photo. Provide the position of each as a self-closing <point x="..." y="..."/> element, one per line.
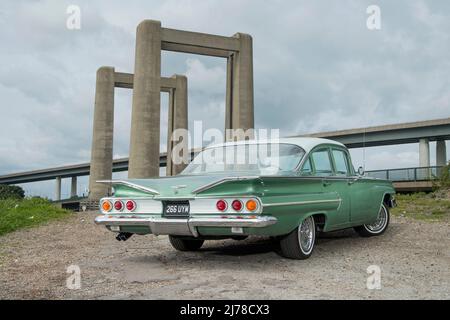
<point x="422" y="132"/>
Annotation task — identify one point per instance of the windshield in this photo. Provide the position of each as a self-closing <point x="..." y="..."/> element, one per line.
<point x="258" y="158"/>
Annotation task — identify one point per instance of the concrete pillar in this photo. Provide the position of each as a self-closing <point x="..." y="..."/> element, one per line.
<point x="424" y="153"/>
<point x="229" y="93"/>
<point x="58" y="188"/>
<point x="73" y="187"/>
<point x="441" y="153"/>
<point x="145" y="117"/>
<point x="242" y="114"/>
<point x="178" y="119"/>
<point x="102" y="140"/>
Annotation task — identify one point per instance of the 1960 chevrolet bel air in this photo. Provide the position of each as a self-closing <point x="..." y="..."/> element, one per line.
<point x="287" y="189"/>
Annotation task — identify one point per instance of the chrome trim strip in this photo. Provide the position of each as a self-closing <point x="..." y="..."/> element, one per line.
<point x="103" y="220"/>
<point x="258" y="222"/>
<point x="300" y="202"/>
<point x="129" y="184"/>
<point x="220" y="181"/>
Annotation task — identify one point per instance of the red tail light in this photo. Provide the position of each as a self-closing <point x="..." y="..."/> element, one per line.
<point x="221" y="205"/>
<point x="131" y="205"/>
<point x="118" y="205"/>
<point x="236" y="205"/>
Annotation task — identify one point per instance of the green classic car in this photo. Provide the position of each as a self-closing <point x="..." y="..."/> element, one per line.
<point x="286" y="189"/>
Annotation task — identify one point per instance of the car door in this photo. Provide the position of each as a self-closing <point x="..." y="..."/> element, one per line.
<point x="323" y="165"/>
<point x="363" y="203"/>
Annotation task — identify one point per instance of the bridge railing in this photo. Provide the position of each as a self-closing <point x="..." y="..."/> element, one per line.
<point x="407" y="174"/>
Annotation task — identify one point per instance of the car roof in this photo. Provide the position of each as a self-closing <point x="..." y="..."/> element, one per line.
<point x="306" y="143"/>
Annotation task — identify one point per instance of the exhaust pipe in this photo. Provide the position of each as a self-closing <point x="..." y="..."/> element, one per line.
<point x="123" y="236"/>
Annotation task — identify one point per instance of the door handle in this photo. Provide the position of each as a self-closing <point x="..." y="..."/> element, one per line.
<point x="352" y="181"/>
<point x="326" y="183"/>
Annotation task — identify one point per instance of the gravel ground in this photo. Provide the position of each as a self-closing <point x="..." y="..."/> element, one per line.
<point x="414" y="258"/>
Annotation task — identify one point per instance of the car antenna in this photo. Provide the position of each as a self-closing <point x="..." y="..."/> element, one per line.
<point x="364" y="149"/>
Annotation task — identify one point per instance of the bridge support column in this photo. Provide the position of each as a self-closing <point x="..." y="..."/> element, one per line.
<point x="239" y="111"/>
<point x="424" y="153"/>
<point x="441" y="153"/>
<point x="102" y="140"/>
<point x="145" y="117"/>
<point x="178" y="120"/>
<point x="58" y="188"/>
<point x="73" y="187"/>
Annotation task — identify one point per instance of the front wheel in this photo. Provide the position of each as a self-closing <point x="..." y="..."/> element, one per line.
<point x="377" y="227"/>
<point x="185" y="244"/>
<point x="299" y="244"/>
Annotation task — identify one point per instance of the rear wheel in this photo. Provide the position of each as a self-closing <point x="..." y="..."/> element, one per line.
<point x="185" y="244"/>
<point x="377" y="227"/>
<point x="299" y="244"/>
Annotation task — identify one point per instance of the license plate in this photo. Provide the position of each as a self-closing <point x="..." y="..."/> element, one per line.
<point x="176" y="209"/>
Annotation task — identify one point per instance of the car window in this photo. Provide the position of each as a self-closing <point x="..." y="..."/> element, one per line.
<point x="307" y="168"/>
<point x="341" y="163"/>
<point x="322" y="163"/>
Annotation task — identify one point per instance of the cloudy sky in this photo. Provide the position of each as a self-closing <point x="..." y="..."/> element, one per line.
<point x="317" y="67"/>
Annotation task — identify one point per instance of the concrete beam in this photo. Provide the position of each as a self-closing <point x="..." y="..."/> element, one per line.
<point x="73" y="187"/>
<point x="198" y="40"/>
<point x="424" y="153"/>
<point x="392" y="134"/>
<point x="102" y="139"/>
<point x="145" y="117"/>
<point x="58" y="188"/>
<point x="125" y="80"/>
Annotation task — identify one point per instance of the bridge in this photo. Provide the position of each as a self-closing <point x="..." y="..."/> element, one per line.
<point x="413" y="179"/>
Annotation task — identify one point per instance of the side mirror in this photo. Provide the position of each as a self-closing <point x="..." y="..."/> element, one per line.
<point x="361" y="171"/>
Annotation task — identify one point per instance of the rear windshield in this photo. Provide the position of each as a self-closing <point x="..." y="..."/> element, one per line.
<point x="258" y="158"/>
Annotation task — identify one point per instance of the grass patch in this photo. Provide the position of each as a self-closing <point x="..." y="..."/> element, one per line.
<point x="22" y="213"/>
<point x="422" y="206"/>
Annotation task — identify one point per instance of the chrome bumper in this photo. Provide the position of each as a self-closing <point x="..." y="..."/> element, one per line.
<point x="187" y="227"/>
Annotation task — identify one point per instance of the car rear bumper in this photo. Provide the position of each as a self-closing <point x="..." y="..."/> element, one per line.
<point x="188" y="226"/>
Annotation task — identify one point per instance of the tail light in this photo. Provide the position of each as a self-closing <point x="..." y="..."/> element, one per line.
<point x="221" y="205"/>
<point x="236" y="205"/>
<point x="106" y="205"/>
<point x="251" y="205"/>
<point x="130" y="205"/>
<point x="118" y="205"/>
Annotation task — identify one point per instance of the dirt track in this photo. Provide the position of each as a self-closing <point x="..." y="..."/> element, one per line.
<point x="414" y="258"/>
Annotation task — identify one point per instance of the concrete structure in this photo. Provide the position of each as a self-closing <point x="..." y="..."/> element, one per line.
<point x="102" y="142"/>
<point x="73" y="187"/>
<point x="58" y="188"/>
<point x="412" y="132"/>
<point x="441" y="153"/>
<point x="103" y="128"/>
<point x="178" y="119"/>
<point x="151" y="38"/>
<point x="424" y="153"/>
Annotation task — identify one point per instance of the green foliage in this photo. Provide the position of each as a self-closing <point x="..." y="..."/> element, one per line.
<point x="11" y="192"/>
<point x="422" y="206"/>
<point x="21" y="213"/>
<point x="444" y="177"/>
